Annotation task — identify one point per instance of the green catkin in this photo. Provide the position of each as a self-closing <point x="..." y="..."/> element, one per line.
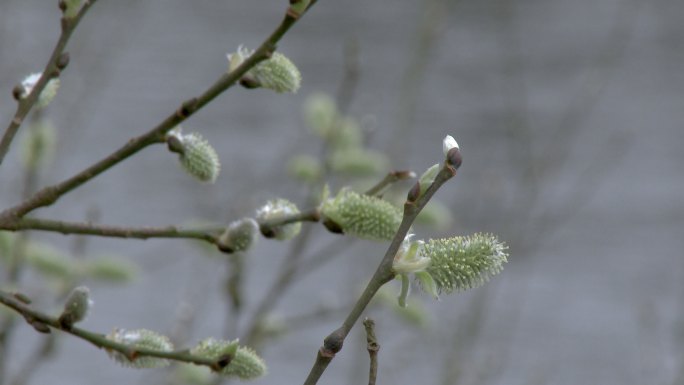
<point x="363" y="216"/>
<point x="245" y="363"/>
<point x="140" y="339"/>
<point x="462" y="263"/>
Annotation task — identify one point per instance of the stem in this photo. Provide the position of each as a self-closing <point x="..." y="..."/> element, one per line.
<point x="373" y="347"/>
<point x="391" y="177"/>
<point x="52" y="70"/>
<point x="47" y="323"/>
<point x="383" y="274"/>
<point x="51" y="194"/>
<point x="84" y="228"/>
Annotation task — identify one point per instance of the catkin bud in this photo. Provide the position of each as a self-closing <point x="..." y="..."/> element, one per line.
<point x="428" y="178"/>
<point x="277" y="209"/>
<point x="46" y="95"/>
<point x="140" y="339"/>
<point x="362" y="215"/>
<point x="239" y="236"/>
<point x="462" y="263"/>
<point x="277" y="73"/>
<point x="244" y="363"/>
<point x="197" y="156"/>
<point x="76" y="307"/>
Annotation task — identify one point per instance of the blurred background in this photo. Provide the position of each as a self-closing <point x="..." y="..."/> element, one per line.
<point x="569" y="116"/>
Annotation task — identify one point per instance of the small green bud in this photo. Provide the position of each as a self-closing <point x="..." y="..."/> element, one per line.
<point x="428" y="178"/>
<point x="346" y="134"/>
<point x="462" y="263"/>
<point x="38" y="146"/>
<point x="320" y="113"/>
<point x="362" y="215"/>
<point x="197" y="156"/>
<point x="244" y="362"/>
<point x="140" y="339"/>
<point x="46" y="95"/>
<point x="76" y="307"/>
<point x="277" y="209"/>
<point x="408" y="258"/>
<point x="239" y="236"/>
<point x="358" y="162"/>
<point x="276" y="73"/>
<point x="305" y="168"/>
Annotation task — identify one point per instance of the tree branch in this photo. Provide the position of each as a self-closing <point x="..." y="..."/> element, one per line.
<point x="383" y="274"/>
<point x="55" y="64"/>
<point x="373" y="347"/>
<point x="51" y="194"/>
<point x="45" y="323"/>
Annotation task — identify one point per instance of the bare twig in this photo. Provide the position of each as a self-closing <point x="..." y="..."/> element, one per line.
<point x="391" y="177"/>
<point x="86" y="228"/>
<point x="55" y="64"/>
<point x="209" y="234"/>
<point x="373" y="348"/>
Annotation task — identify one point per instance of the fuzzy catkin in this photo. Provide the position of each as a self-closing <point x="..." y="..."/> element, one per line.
<point x="461" y="263"/>
<point x="362" y="215"/>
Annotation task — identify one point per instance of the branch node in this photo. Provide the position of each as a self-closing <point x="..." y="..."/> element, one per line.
<point x="187" y="108"/>
<point x="333" y="343"/>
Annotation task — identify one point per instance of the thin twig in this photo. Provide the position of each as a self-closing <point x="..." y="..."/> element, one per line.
<point x="51" y="194"/>
<point x="52" y="70"/>
<point x="373" y="348"/>
<point x="208" y="234"/>
<point x="391" y="177"/>
<point x="45" y="323"/>
<point x="86" y="228"/>
<point x="383" y="274"/>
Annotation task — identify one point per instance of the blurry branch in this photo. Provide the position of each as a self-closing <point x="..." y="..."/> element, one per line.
<point x="51" y="194"/>
<point x="391" y="177"/>
<point x="207" y="234"/>
<point x="85" y="228"/>
<point x="383" y="274"/>
<point x="373" y="347"/>
<point x="44" y="323"/>
<point x="57" y="62"/>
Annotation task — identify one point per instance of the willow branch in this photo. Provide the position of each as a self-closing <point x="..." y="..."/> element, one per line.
<point x="208" y="234"/>
<point x="383" y="274"/>
<point x="391" y="177"/>
<point x="373" y="347"/>
<point x="45" y="323"/>
<point x="86" y="228"/>
<point x="51" y="194"/>
<point x="57" y="62"/>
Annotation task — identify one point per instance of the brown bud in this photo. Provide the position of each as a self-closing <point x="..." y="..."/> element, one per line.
<point x="62" y="61"/>
<point x="414" y="193"/>
<point x="454" y="157"/>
